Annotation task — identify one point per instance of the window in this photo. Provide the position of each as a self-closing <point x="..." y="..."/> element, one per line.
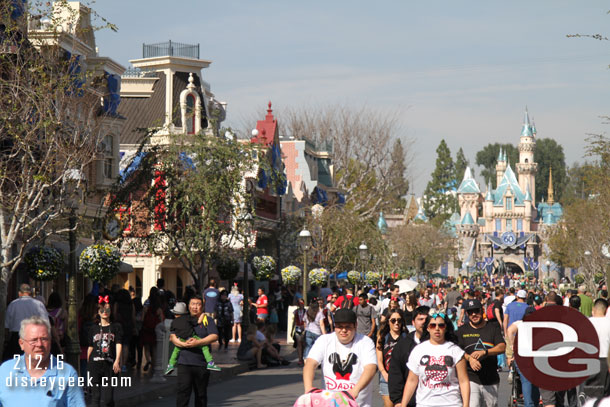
<point x="498" y="225"/>
<point x="509" y="225"/>
<point x="190" y="114"/>
<point x="519" y="225"/>
<point x="108" y="151"/>
<point x="509" y="203"/>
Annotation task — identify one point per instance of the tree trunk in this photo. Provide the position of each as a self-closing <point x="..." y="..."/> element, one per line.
<point x="6" y="275"/>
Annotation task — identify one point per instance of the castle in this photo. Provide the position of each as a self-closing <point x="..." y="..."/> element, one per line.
<point x="504" y="225"/>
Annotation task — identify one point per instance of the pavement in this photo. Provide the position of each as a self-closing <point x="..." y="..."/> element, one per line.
<point x="145" y="388"/>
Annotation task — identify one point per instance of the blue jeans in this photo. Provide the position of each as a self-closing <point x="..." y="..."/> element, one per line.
<point x="310" y="338"/>
<point x="531" y="394"/>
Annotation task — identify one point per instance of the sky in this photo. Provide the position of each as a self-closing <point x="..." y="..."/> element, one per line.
<point x="459" y="71"/>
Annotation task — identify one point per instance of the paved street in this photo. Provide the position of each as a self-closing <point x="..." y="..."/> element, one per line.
<point x="273" y="387"/>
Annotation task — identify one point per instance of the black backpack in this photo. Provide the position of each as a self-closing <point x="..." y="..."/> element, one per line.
<point x="348" y="303"/>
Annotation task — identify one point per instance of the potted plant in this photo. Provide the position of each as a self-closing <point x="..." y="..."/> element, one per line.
<point x="318" y="276"/>
<point x="227" y="267"/>
<point x="372" y="277"/>
<point x="100" y="262"/>
<point x="291" y="274"/>
<point x="264" y="267"/>
<point x="44" y="263"/>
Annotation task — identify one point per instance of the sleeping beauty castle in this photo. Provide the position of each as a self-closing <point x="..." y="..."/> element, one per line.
<point x="503" y="228"/>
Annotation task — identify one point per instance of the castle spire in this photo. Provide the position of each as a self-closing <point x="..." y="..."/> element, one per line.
<point x="527" y="128"/>
<point x="500" y="156"/>
<point x="551" y="198"/>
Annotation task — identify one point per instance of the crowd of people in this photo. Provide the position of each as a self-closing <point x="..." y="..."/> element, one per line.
<point x="442" y="345"/>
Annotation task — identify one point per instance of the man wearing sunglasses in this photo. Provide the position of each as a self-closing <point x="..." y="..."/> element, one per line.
<point x="482" y="342"/>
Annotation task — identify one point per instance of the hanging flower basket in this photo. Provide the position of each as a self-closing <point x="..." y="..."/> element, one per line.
<point x="318" y="276"/>
<point x="355" y="277"/>
<point x="372" y="277"/>
<point x="100" y="262"/>
<point x="264" y="267"/>
<point x="291" y="274"/>
<point x="227" y="268"/>
<point x="44" y="263"/>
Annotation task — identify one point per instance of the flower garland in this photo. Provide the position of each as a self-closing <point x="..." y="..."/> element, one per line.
<point x="100" y="262"/>
<point x="264" y="267"/>
<point x="291" y="274"/>
<point x="44" y="263"/>
<point x="318" y="276"/>
<point x="372" y="277"/>
<point x="355" y="277"/>
<point x="227" y="268"/>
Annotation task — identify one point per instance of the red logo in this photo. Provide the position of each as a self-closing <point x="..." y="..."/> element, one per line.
<point x="557" y="348"/>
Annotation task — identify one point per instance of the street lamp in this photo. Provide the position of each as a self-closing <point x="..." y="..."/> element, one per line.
<point x="305" y="242"/>
<point x="364" y="251"/>
<point x="73" y="179"/>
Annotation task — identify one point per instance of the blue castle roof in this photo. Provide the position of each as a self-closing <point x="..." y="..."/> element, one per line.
<point x="509" y="181"/>
<point x="468" y="185"/>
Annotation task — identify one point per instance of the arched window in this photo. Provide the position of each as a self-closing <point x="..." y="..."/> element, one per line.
<point x="190" y="114"/>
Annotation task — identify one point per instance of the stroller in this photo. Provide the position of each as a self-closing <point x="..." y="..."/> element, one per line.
<point x="516" y="394"/>
<point x="325" y="398"/>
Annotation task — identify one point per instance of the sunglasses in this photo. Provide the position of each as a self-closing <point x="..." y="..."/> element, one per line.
<point x="473" y="311"/>
<point x="438" y="314"/>
<point x="396" y="321"/>
<point x="433" y="325"/>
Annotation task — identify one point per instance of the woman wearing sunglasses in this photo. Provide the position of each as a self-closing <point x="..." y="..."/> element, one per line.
<point x="389" y="334"/>
<point x="437" y="368"/>
<point x="104" y="353"/>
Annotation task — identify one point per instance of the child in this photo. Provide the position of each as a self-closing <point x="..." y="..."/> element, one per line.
<point x="182" y="327"/>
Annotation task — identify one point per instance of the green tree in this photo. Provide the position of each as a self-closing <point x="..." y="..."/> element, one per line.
<point x="576" y="187"/>
<point x="399" y="186"/>
<point x="439" y="200"/>
<point x="50" y="132"/>
<point x="488" y="158"/>
<point x="549" y="154"/>
<point x="460" y="165"/>
<point x="192" y="191"/>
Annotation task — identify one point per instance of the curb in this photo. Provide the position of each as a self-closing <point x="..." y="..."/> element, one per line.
<point x="154" y="391"/>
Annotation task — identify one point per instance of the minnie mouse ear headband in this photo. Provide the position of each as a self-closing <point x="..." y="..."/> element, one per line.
<point x="103" y="299"/>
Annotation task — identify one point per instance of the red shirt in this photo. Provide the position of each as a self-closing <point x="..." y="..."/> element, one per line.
<point x="340" y="300"/>
<point x="262" y="300"/>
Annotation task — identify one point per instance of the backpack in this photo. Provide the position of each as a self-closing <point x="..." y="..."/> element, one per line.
<point x="490" y="312"/>
<point x="348" y="303"/>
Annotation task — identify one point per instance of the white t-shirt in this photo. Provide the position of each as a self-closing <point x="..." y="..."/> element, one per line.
<point x="342" y="365"/>
<point x="314" y="326"/>
<point x="602" y="326"/>
<point x="507" y="300"/>
<point x="434" y="365"/>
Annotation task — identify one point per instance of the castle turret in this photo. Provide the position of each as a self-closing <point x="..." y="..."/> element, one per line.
<point x="550" y="192"/>
<point x="527" y="168"/>
<point x="500" y="167"/>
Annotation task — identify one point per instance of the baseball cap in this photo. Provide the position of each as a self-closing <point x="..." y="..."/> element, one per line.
<point x="345" y="315"/>
<point x="522" y="294"/>
<point x="472" y="304"/>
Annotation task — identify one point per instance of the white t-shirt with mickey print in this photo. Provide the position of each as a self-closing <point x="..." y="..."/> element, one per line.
<point x="435" y="367"/>
<point x="342" y="365"/>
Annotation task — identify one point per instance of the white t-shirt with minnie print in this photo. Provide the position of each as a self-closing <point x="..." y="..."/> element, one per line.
<point x="342" y="365"/>
<point x="435" y="367"/>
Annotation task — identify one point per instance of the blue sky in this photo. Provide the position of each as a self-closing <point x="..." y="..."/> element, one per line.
<point x="459" y="71"/>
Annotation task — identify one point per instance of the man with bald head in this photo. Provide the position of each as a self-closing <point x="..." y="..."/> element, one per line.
<point x="23" y="307"/>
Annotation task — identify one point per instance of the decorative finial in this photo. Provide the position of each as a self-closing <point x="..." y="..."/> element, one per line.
<point x="191" y="84"/>
<point x="269" y="110"/>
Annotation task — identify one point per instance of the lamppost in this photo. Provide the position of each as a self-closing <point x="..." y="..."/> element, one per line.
<point x="305" y="242"/>
<point x="73" y="179"/>
<point x="364" y="251"/>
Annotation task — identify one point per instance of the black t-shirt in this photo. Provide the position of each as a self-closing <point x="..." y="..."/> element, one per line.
<point x="183" y="327"/>
<point x="104" y="339"/>
<point x="388" y="348"/>
<point x="498" y="305"/>
<point x="471" y="339"/>
<point x="194" y="356"/>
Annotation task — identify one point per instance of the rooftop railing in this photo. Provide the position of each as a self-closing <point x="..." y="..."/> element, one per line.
<point x="171" y="49"/>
